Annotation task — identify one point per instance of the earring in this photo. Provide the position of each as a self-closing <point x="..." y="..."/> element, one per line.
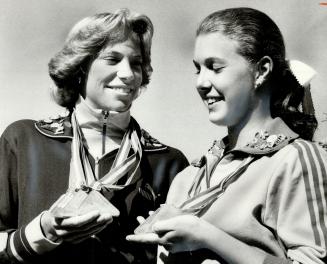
<point x="259" y="82"/>
<point x="257" y="85"/>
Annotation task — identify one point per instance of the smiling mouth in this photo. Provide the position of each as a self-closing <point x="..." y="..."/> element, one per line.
<point x="122" y="90"/>
<point x="212" y="100"/>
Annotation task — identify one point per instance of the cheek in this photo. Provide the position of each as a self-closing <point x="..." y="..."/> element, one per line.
<point x="138" y="78"/>
<point x="238" y="101"/>
<point x="239" y="90"/>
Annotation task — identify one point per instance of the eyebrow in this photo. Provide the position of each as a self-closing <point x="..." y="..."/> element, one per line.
<point x="212" y="60"/>
<point x="115" y="53"/>
<point x="195" y="63"/>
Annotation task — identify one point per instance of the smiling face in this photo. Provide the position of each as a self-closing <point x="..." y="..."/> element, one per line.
<point x="225" y="79"/>
<point x="114" y="77"/>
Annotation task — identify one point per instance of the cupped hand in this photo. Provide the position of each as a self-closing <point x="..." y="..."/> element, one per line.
<point x="180" y="233"/>
<point x="74" y="229"/>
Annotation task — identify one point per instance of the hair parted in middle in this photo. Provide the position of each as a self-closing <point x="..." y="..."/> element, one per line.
<point x="258" y="36"/>
<point x="89" y="36"/>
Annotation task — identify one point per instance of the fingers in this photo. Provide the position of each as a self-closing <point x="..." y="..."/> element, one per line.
<point x="140" y="219"/>
<point x="77" y="221"/>
<point x="84" y="226"/>
<point x="153" y="238"/>
<point x="164" y="226"/>
<point x="78" y="228"/>
<point x="175" y="223"/>
<point x="148" y="238"/>
<point x="79" y="234"/>
<point x="78" y="237"/>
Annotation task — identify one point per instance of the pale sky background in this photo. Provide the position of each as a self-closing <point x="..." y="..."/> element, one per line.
<point x="33" y="30"/>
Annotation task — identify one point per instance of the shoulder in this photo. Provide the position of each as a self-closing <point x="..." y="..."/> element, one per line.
<point x="151" y="144"/>
<point x="18" y="133"/>
<point x="183" y="181"/>
<point x="308" y="151"/>
<point x="301" y="150"/>
<point x="19" y="128"/>
<point x="153" y="147"/>
<point x="58" y="126"/>
<point x="311" y="155"/>
<point x="300" y="162"/>
<point x="181" y="185"/>
<point x="22" y="131"/>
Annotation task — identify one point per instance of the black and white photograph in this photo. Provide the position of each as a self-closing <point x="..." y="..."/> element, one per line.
<point x="163" y="131"/>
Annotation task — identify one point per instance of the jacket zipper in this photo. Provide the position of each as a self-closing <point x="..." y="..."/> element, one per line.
<point x="104" y="132"/>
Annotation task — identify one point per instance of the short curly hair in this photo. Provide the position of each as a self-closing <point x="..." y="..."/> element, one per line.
<point x="86" y="40"/>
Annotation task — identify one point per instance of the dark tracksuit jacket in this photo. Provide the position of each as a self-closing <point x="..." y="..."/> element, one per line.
<point x="34" y="172"/>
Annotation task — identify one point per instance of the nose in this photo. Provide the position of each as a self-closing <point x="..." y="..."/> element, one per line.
<point x="203" y="83"/>
<point x="125" y="71"/>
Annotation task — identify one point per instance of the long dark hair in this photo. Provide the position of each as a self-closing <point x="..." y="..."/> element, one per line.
<point x="259" y="36"/>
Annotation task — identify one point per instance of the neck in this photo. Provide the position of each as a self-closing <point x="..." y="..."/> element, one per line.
<point x="91" y="118"/>
<point x="255" y="121"/>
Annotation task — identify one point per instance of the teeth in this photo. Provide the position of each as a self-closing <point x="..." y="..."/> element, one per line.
<point x="122" y="90"/>
<point x="212" y="100"/>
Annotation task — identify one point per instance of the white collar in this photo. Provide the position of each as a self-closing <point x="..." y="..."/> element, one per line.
<point x="90" y="118"/>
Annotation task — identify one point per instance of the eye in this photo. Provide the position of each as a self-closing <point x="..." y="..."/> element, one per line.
<point x="197" y="67"/>
<point x="112" y="60"/>
<point x="218" y="70"/>
<point x="215" y="68"/>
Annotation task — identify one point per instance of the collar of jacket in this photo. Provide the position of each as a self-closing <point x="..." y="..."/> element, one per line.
<point x="270" y="139"/>
<point x="59" y="127"/>
<point x="94" y="119"/>
<point x="274" y="136"/>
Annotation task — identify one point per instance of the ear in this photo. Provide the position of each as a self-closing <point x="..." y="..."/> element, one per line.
<point x="263" y="69"/>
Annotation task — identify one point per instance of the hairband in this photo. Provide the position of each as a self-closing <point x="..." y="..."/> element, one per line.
<point x="302" y="72"/>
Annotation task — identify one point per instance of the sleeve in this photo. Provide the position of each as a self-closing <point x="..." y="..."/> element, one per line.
<point x="179" y="164"/>
<point x="165" y="165"/>
<point x="296" y="203"/>
<point x="16" y="244"/>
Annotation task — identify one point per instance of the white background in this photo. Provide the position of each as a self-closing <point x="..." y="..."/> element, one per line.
<point x="31" y="31"/>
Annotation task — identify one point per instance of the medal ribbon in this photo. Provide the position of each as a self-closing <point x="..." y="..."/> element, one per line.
<point x="198" y="200"/>
<point x="123" y="164"/>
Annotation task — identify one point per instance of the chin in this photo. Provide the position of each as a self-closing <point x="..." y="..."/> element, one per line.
<point x="120" y="107"/>
<point x="217" y="122"/>
<point x="217" y="119"/>
<point x="221" y="121"/>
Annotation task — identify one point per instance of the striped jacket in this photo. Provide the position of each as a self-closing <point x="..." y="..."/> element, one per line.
<point x="277" y="205"/>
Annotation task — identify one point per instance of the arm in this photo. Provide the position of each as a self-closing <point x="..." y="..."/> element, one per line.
<point x="296" y="203"/>
<point x="23" y="243"/>
<point x="295" y="206"/>
<point x="16" y="244"/>
<point x="188" y="233"/>
<point x="295" y="209"/>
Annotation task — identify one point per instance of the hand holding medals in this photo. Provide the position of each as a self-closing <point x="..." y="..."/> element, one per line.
<point x="76" y="217"/>
<point x="172" y="228"/>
